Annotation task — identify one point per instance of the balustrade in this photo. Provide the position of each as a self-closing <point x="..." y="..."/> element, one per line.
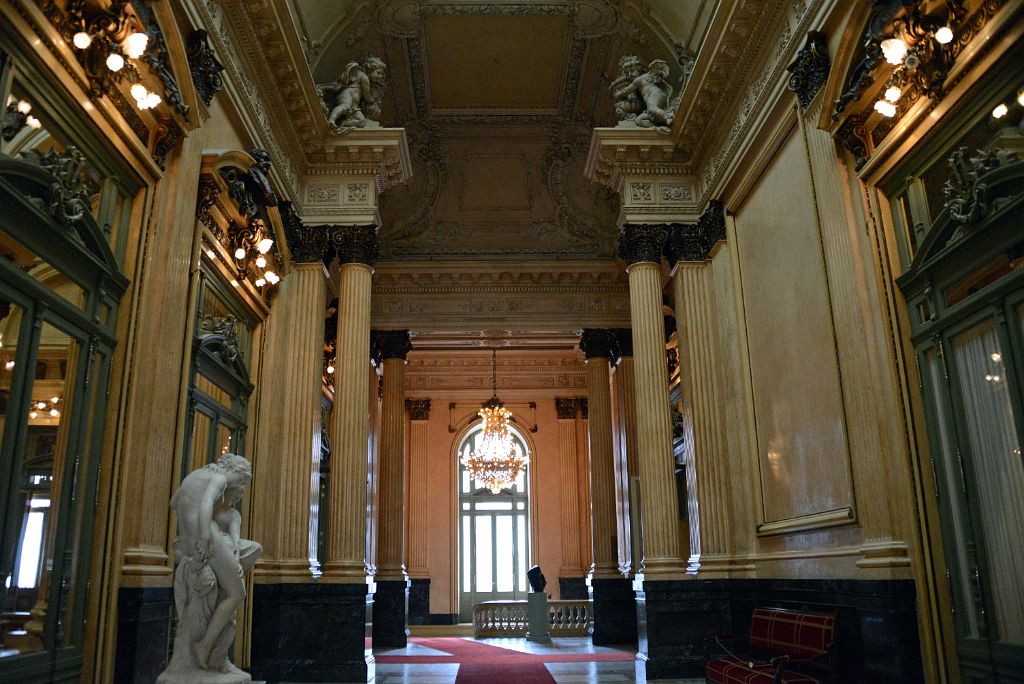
<point x="508" y="618"/>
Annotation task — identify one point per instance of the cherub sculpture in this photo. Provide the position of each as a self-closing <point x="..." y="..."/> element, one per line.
<point x="656" y="94"/>
<point x="355" y="98"/>
<point x="629" y="105"/>
<point x="210" y="565"/>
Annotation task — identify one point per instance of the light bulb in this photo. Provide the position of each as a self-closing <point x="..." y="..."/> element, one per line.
<point x="240" y="253"/>
<point x="234" y="283"/>
<point x="9" y="365"/>
<point x="944" y="35"/>
<point x="264" y="245"/>
<point x="33" y="122"/>
<point x="81" y="40"/>
<point x="330" y="370"/>
<point x="1020" y="97"/>
<point x="41" y="405"/>
<point x="152" y="100"/>
<point x="260" y="282"/>
<point x="24" y="106"/>
<point x="884" y="108"/>
<point x="138" y="91"/>
<point x="260" y="262"/>
<point x="271" y="277"/>
<point x="1000" y="111"/>
<point x="892" y="93"/>
<point x="894" y="50"/>
<point x="32" y="415"/>
<point x="210" y="253"/>
<point x="996" y="356"/>
<point x="115" y="61"/>
<point x="54" y="412"/>
<point x="135" y="44"/>
<point x="54" y="400"/>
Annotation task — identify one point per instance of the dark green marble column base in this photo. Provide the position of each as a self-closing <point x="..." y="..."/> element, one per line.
<point x="390" y="608"/>
<point x="614" y="611"/>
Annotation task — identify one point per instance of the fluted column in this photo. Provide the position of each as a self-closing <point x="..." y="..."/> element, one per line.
<point x="346" y="544"/>
<point x="597" y="347"/>
<point x="641" y="246"/>
<point x="419" y="498"/>
<point x="391" y="598"/>
<point x="570" y="575"/>
<point x="624" y="382"/>
<point x="614" y="607"/>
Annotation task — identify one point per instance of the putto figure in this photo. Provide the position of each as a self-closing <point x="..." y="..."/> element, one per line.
<point x="354" y="99"/>
<point x="654" y="92"/>
<point x="629" y="105"/>
<point x="210" y="565"/>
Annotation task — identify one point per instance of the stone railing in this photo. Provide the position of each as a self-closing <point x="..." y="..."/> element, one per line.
<point x="508" y="618"/>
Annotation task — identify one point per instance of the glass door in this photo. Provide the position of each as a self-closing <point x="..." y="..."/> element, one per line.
<point x="494" y="536"/>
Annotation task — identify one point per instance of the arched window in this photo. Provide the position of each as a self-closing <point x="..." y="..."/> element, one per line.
<point x="494" y="534"/>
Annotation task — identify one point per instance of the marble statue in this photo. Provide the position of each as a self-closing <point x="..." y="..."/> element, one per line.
<point x="210" y="565"/>
<point x="536" y="577"/>
<point x="354" y="99"/>
<point x="654" y="92"/>
<point x="628" y="105"/>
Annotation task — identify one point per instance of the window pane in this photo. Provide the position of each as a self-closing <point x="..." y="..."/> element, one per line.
<point x="223" y="440"/>
<point x="504" y="541"/>
<point x="494" y="506"/>
<point x="201" y="427"/>
<point x="484" y="576"/>
<point x="996" y="458"/>
<point x="523" y="551"/>
<point x="467" y="578"/>
<point x="31" y="550"/>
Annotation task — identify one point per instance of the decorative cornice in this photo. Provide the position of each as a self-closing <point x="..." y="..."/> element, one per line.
<point x="968" y="197"/>
<point x="565" y="408"/>
<point x="642" y="242"/>
<point x="809" y="71"/>
<point x="355" y="244"/>
<point x="597" y="343"/>
<point x="418" y="409"/>
<point x="204" y="65"/>
<point x="308" y="244"/>
<point x="552" y="372"/>
<point x="391" y="344"/>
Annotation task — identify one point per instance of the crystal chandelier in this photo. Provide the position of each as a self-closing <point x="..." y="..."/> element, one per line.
<point x="497" y="461"/>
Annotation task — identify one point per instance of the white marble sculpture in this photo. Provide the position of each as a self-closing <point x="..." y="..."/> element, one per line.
<point x="628" y="105"/>
<point x="210" y="565"/>
<point x="654" y="91"/>
<point x="353" y="101"/>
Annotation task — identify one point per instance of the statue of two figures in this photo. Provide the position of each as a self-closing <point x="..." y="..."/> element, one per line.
<point x="209" y="576"/>
<point x="644" y="98"/>
<point x="353" y="101"/>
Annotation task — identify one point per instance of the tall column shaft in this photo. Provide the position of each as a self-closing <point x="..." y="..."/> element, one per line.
<point x="394" y="346"/>
<point x="572" y="563"/>
<point x="419" y="413"/>
<point x="346" y="545"/>
<point x="654" y="425"/>
<point x="602" y="470"/>
<point x="626" y="463"/>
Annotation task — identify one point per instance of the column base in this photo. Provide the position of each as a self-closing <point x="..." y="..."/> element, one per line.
<point x="614" y="611"/>
<point x="876" y="628"/>
<point x="311" y="632"/>
<point x="419" y="601"/>
<point x="573" y="588"/>
<point x="390" y="607"/>
<point x="143" y="626"/>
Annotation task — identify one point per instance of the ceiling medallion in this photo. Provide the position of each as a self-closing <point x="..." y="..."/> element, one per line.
<point x="498" y="460"/>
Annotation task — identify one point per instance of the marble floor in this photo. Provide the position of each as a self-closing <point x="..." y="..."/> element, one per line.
<point x="579" y="672"/>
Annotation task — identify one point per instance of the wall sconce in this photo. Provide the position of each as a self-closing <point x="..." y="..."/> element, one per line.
<point x="17" y="116"/>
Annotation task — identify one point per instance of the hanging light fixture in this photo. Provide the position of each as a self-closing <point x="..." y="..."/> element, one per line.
<point x="498" y="460"/>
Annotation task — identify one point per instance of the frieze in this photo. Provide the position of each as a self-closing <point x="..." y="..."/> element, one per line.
<point x="538" y="370"/>
<point x="357" y="192"/>
<point x="322" y="194"/>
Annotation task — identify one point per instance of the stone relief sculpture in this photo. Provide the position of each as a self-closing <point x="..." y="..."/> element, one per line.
<point x="353" y="101"/>
<point x="648" y="92"/>
<point x="210" y="565"/>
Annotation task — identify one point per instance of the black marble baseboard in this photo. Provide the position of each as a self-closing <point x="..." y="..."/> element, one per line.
<point x="419" y="601"/>
<point x="143" y="633"/>
<point x="876" y="623"/>
<point x="390" y="607"/>
<point x="311" y="632"/>
<point x="573" y="588"/>
<point x="442" y="619"/>
<point x="614" y="611"/>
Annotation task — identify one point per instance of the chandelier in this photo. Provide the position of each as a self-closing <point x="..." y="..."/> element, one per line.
<point x="497" y="460"/>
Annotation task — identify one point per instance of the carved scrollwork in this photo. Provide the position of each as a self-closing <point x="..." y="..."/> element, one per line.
<point x="418" y="409"/>
<point x="205" y="68"/>
<point x="809" y="72"/>
<point x="565" y="408"/>
<point x="642" y="242"/>
<point x="220" y="336"/>
<point x="69" y="195"/>
<point x="968" y="196"/>
<point x="356" y="244"/>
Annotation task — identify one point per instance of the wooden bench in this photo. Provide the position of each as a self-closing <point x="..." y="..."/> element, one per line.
<point x="778" y="639"/>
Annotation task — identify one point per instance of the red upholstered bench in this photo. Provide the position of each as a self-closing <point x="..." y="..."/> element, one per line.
<point x="778" y="638"/>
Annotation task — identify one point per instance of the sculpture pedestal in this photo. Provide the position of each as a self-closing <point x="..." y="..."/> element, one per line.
<point x="537" y="620"/>
<point x="205" y="678"/>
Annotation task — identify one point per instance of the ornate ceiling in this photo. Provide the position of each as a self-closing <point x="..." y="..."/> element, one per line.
<point x="498" y="100"/>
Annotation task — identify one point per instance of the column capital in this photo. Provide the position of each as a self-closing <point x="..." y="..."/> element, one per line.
<point x="565" y="407"/>
<point x="694" y="242"/>
<point x="355" y="244"/>
<point x="390" y="344"/>
<point x="418" y="409"/>
<point x="597" y="343"/>
<point x="642" y="242"/>
<point x="306" y="243"/>
<point x="809" y="71"/>
<point x="623" y="343"/>
<point x="584" y="405"/>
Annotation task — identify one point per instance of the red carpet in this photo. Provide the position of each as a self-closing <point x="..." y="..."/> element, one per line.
<point x="483" y="664"/>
